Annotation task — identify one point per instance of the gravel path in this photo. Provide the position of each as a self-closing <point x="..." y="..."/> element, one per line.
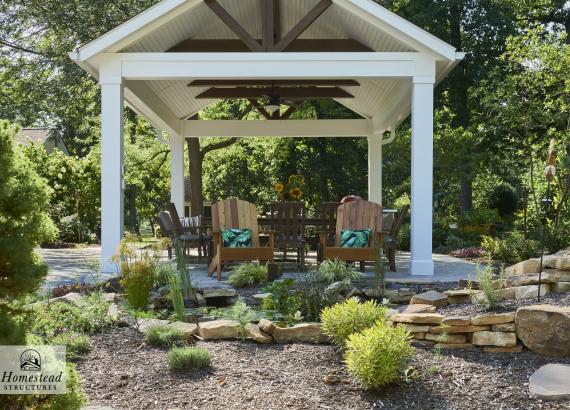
<point x="123" y="373"/>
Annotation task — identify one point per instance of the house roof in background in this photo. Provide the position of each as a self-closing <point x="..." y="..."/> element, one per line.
<point x="33" y="134"/>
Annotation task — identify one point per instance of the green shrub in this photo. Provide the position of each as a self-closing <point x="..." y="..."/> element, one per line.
<point x="505" y="199"/>
<point x="281" y="294"/>
<point x="481" y="216"/>
<point x="240" y="312"/>
<point x="377" y="355"/>
<point x="52" y="319"/>
<point x="454" y="242"/>
<point x="313" y="295"/>
<point x="78" y="345"/>
<point x="176" y="294"/>
<point x="486" y="280"/>
<point x="512" y="249"/>
<point x="351" y="316"/>
<point x="24" y="224"/>
<point x="164" y="336"/>
<point x="188" y="358"/>
<point x="331" y="271"/>
<point x="248" y="274"/>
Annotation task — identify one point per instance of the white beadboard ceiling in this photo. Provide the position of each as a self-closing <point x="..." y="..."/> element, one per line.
<point x="335" y="23"/>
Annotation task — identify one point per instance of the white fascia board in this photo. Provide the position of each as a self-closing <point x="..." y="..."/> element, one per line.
<point x="405" y="31"/>
<point x="145" y="102"/>
<point x="132" y="30"/>
<point x="277" y="128"/>
<point x="172" y="66"/>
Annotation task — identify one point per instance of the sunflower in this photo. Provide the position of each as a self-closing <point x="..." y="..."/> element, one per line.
<point x="292" y="179"/>
<point x="296" y="193"/>
<point x="279" y="187"/>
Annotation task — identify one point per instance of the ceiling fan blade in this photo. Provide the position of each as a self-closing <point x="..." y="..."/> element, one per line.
<point x="277" y="83"/>
<point x="283" y="92"/>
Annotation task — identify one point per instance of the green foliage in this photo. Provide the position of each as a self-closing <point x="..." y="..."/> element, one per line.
<point x="351" y="316"/>
<point x="331" y="271"/>
<point x="505" y="199"/>
<point x="481" y="216"/>
<point x="176" y="295"/>
<point x="188" y="358"/>
<point x="242" y="313"/>
<point x="486" y="280"/>
<point x="512" y="249"/>
<point x="313" y="295"/>
<point x="139" y="269"/>
<point x="281" y="294"/>
<point x="454" y="242"/>
<point x="164" y="336"/>
<point x="24" y="224"/>
<point x="376" y="356"/>
<point x="78" y="345"/>
<point x="184" y="280"/>
<point x="52" y="319"/>
<point x="248" y="274"/>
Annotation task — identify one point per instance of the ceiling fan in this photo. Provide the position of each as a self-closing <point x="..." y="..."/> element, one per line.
<point x="267" y="96"/>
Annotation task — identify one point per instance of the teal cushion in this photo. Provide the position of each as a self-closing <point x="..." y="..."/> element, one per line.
<point x="355" y="239"/>
<point x="236" y="238"/>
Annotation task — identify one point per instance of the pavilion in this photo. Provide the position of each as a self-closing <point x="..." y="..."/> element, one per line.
<point x="179" y="56"/>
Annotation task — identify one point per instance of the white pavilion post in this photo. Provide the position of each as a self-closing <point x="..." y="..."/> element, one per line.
<point x="375" y="168"/>
<point x="112" y="170"/>
<point x="176" y="143"/>
<point x="421" y="262"/>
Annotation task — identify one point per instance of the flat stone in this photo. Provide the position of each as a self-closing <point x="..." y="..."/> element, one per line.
<point x="72" y="298"/>
<point x="503" y="349"/>
<point x="393" y="295"/>
<point x="493" y="319"/>
<point x="447" y="338"/>
<point x="431" y="297"/>
<point x="253" y="331"/>
<point x="551" y="382"/>
<point x="219" y="293"/>
<point x="303" y="333"/>
<point x="522" y="268"/>
<point x="419" y="335"/>
<point x="354" y="292"/>
<point x="504" y="327"/>
<point x="200" y="300"/>
<point x="417" y="308"/>
<point x="556" y="262"/>
<point x="485" y="338"/>
<point x="545" y="329"/>
<point x="113" y="312"/>
<point x="438" y="330"/>
<point x="261" y="296"/>
<point x="110" y="297"/>
<point x="558" y="274"/>
<point x="144" y="324"/>
<point x="189" y="329"/>
<point x="456" y="321"/>
<point x="453" y="346"/>
<point x="531" y="291"/>
<point x="560" y="287"/>
<point x="418" y="318"/>
<point x="416" y="328"/>
<point x="220" y="329"/>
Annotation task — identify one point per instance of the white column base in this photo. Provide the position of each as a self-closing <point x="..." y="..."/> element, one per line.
<point x="421" y="268"/>
<point x="108" y="266"/>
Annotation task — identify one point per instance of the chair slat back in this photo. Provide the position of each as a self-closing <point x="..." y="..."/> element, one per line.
<point x="399" y="220"/>
<point x="327" y="212"/>
<point x="176" y="224"/>
<point x="165" y="224"/>
<point x="288" y="220"/>
<point x="359" y="215"/>
<point x="234" y="213"/>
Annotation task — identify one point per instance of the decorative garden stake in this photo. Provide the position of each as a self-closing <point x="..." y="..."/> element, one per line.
<point x="549" y="174"/>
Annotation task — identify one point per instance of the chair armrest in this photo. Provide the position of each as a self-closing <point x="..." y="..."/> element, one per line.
<point x="217" y="238"/>
<point x="272" y="237"/>
<point x="323" y="238"/>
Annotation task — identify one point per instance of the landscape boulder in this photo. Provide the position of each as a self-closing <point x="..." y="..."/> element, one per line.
<point x="431" y="297"/>
<point x="503" y="339"/>
<point x="545" y="329"/>
<point x="523" y="268"/>
<point x="551" y="382"/>
<point x="302" y="332"/>
<point x="220" y="329"/>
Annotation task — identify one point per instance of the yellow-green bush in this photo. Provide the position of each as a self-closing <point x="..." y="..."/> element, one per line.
<point x="351" y="316"/>
<point x="377" y="355"/>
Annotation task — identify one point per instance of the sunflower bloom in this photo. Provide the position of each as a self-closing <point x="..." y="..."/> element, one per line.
<point x="279" y="187"/>
<point x="296" y="193"/>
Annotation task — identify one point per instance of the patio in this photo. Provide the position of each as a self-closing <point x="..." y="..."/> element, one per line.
<point x="69" y="266"/>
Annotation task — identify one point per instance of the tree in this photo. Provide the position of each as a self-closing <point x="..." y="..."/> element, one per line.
<point x="24" y="224"/>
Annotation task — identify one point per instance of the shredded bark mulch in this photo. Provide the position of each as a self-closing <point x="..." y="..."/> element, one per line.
<point x="123" y="373"/>
<point x="561" y="299"/>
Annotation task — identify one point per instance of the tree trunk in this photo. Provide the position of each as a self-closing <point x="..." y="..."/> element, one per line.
<point x="196" y="160"/>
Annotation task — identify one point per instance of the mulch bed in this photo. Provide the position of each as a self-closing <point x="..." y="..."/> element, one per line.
<point x="562" y="299"/>
<point x="122" y="372"/>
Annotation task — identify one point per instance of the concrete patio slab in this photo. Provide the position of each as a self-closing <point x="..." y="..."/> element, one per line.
<point x="76" y="265"/>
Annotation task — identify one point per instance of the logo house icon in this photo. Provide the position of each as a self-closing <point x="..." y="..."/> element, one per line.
<point x="30" y="360"/>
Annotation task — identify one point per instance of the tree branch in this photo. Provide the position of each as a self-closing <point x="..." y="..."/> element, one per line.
<point x="217" y="145"/>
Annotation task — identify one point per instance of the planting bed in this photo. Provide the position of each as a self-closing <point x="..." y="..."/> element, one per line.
<point x="121" y="372"/>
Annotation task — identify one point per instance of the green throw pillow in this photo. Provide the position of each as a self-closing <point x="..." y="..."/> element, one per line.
<point x="236" y="238"/>
<point x="355" y="239"/>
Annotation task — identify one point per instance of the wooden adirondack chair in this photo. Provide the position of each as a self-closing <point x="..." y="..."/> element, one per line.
<point x="326" y="212"/>
<point x="355" y="216"/>
<point x="288" y="223"/>
<point x="391" y="236"/>
<point x="237" y="214"/>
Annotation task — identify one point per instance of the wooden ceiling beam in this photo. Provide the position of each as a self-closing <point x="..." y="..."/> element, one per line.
<point x="233" y="25"/>
<point x="297" y="46"/>
<point x="268" y="22"/>
<point x="276" y="21"/>
<point x="282" y="92"/>
<point x="302" y="25"/>
<point x="260" y="109"/>
<point x="274" y="83"/>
